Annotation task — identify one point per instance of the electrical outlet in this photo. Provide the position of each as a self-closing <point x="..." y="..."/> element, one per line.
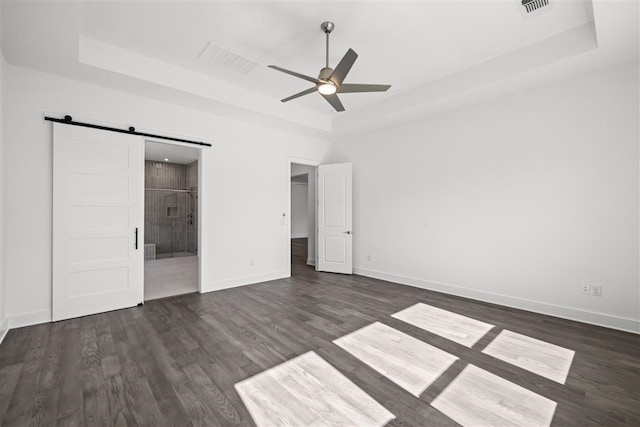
<point x="368" y="257"/>
<point x="585" y="289"/>
<point x="251" y="262"/>
<point x="596" y="291"/>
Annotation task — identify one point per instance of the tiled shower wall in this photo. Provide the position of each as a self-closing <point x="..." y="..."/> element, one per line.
<point x="167" y="218"/>
<point x="192" y="222"/>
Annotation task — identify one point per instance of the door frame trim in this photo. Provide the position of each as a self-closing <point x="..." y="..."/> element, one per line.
<point x="287" y="223"/>
<point x="201" y="197"/>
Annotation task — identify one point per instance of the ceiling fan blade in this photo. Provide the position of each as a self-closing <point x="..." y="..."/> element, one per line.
<point x="343" y="67"/>
<point x="293" y="73"/>
<point x="299" y="94"/>
<point x="334" y="101"/>
<point x="352" y="88"/>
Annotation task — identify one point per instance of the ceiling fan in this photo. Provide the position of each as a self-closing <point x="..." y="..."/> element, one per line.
<point x="330" y="81"/>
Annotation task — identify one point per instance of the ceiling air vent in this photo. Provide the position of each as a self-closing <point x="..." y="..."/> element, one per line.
<point x="218" y="55"/>
<point x="531" y="8"/>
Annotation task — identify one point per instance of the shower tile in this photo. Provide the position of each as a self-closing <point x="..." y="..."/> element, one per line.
<point x="169" y="234"/>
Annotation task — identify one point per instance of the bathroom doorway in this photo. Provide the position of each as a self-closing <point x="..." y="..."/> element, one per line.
<point x="302" y="214"/>
<point x="171" y="223"/>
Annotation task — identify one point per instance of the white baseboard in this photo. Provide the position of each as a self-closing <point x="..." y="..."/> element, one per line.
<point x="44" y="316"/>
<point x="244" y="280"/>
<point x="28" y="319"/>
<point x="4" y="328"/>
<point x="570" y="313"/>
<point x="311" y="261"/>
<point x="300" y="236"/>
<point x="594" y="318"/>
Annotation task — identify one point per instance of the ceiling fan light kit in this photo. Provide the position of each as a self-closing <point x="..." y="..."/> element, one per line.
<point x="327" y="88"/>
<point x="330" y="81"/>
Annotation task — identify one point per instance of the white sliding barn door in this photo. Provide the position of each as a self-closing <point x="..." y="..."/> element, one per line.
<point x="334" y="219"/>
<point x="98" y="218"/>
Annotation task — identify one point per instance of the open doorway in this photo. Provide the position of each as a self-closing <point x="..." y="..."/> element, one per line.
<point x="171" y="261"/>
<point x="303" y="217"/>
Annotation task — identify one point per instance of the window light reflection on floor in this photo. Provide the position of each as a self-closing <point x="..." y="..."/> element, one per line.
<point x="308" y="391"/>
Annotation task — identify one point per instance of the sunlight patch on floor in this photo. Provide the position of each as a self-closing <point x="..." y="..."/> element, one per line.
<point x="308" y="391"/>
<point x="455" y="327"/>
<point x="540" y="357"/>
<point x="478" y="398"/>
<point x="407" y="361"/>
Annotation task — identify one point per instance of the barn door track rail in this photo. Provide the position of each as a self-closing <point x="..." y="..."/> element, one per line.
<point x="68" y="120"/>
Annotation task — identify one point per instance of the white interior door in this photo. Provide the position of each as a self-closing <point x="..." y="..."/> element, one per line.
<point x="98" y="218"/>
<point x="334" y="219"/>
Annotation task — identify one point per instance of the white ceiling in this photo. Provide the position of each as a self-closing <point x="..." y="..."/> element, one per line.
<point x="406" y="44"/>
<point x="175" y="153"/>
<point x="433" y="53"/>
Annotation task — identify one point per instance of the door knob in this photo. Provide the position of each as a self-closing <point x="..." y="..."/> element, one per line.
<point x="347" y="232"/>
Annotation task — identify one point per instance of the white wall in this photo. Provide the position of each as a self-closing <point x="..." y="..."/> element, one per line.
<point x="3" y="309"/>
<point x="299" y="210"/>
<point x="241" y="215"/>
<point x="517" y="200"/>
<point x="297" y="169"/>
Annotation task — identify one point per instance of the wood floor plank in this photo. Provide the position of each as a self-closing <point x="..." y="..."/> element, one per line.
<point x="213" y="395"/>
<point x="198" y="411"/>
<point x="70" y="395"/>
<point x="110" y="365"/>
<point x="146" y="410"/>
<point x="8" y="379"/>
<point x="225" y="375"/>
<point x="477" y="398"/>
<point x="120" y="412"/>
<point x="549" y="360"/>
<point x="175" y="361"/>
<point x="142" y="331"/>
<point x="172" y="410"/>
<point x="23" y="400"/>
<point x="45" y="407"/>
<point x="95" y="411"/>
<point x="307" y="391"/>
<point x="448" y="324"/>
<point x="94" y="391"/>
<point x="407" y="361"/>
<point x="346" y="398"/>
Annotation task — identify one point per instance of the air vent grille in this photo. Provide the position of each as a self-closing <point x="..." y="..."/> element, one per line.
<point x="530" y="8"/>
<point x="533" y="5"/>
<point x="222" y="57"/>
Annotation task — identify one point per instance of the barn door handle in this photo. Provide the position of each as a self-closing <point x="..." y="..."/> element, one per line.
<point x="136" y="238"/>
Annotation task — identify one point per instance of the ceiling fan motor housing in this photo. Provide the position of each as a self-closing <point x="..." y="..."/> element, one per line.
<point x="325" y="73"/>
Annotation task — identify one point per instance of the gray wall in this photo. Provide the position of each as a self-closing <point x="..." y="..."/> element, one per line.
<point x="166" y="213"/>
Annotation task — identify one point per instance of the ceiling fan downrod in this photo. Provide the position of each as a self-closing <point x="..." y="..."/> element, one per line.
<point x="327" y="27"/>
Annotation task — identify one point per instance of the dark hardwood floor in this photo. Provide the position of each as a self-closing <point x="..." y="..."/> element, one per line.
<point x="175" y="361"/>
